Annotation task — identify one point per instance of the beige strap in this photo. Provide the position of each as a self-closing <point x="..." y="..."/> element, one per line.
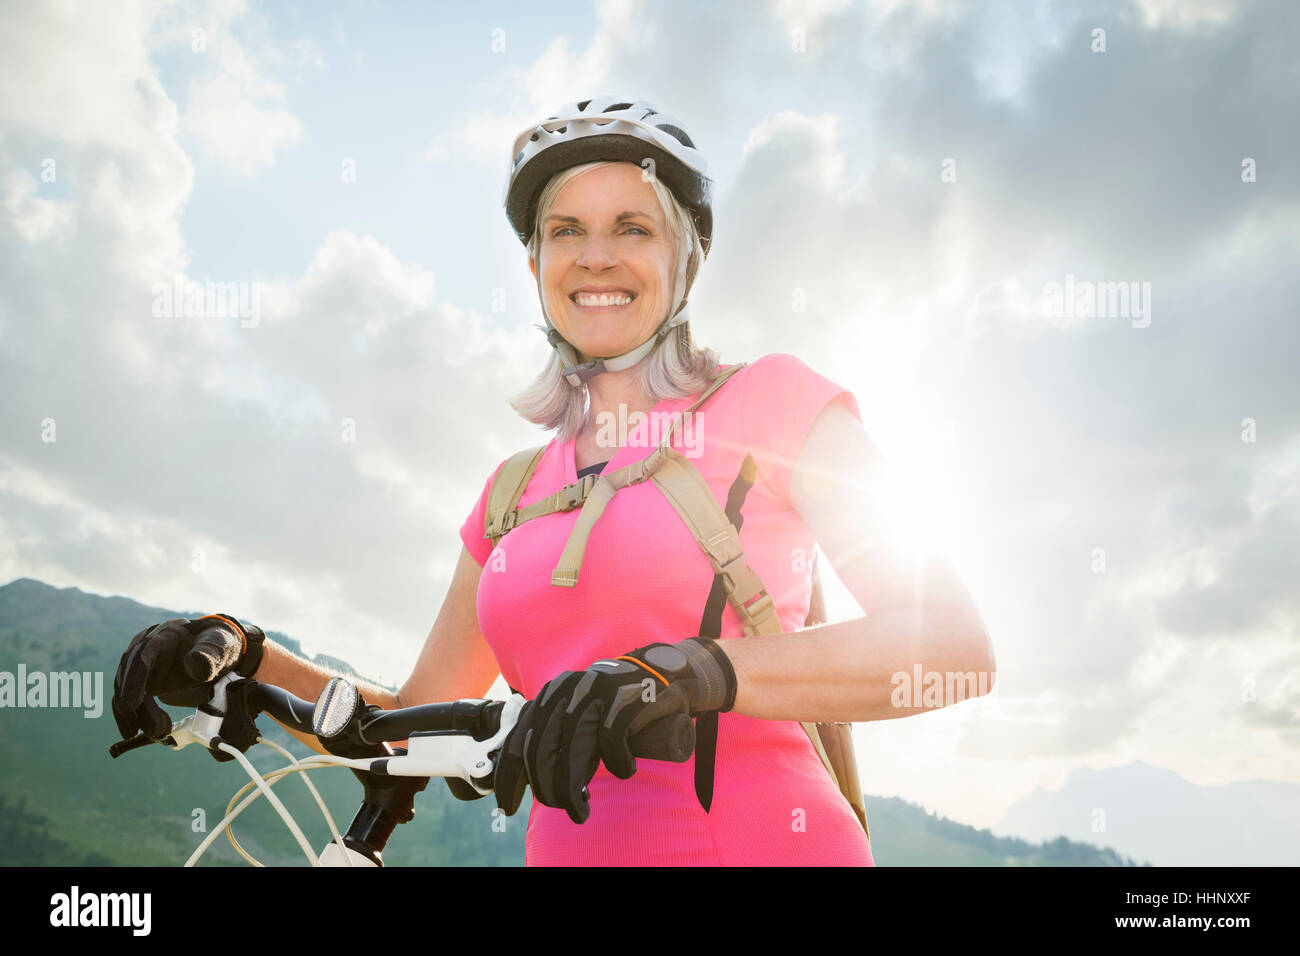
<point x="566" y="499"/>
<point x="837" y="741"/>
<point x="503" y="514"/>
<point x="686" y="490"/>
<point x="816" y="738"/>
<point x="506" y="490"/>
<point x="570" y="563"/>
<point x="716" y="384"/>
<point x="566" y="572"/>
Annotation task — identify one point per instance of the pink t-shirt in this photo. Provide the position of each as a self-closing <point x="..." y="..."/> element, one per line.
<point x="644" y="578"/>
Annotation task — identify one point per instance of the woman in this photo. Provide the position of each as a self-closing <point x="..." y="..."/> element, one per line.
<point x="612" y="202"/>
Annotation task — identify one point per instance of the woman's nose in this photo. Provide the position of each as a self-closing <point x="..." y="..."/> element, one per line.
<point x="596" y="253"/>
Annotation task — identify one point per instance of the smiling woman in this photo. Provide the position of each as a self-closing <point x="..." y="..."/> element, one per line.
<point x="696" y="593"/>
<point x="613" y="204"/>
<point x="605" y="274"/>
<point x="586" y="216"/>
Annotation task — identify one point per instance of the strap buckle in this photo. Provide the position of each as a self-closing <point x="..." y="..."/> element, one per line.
<point x="743" y="587"/>
<point x="724" y="546"/>
<point x="753" y="614"/>
<point x="500" y="524"/>
<point x="576" y="493"/>
<point x="642" y="469"/>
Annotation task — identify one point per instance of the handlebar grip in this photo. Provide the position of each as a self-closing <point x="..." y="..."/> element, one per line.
<point x="668" y="738"/>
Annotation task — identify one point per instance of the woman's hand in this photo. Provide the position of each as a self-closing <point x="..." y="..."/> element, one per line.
<point x="582" y="717"/>
<point x="179" y="660"/>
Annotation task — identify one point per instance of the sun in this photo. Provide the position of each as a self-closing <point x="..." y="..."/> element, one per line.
<point x="925" y="506"/>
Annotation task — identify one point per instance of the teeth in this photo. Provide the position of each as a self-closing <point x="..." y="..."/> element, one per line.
<point x="604" y="298"/>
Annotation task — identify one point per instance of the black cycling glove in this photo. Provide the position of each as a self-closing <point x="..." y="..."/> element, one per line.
<point x="582" y="717"/>
<point x="178" y="661"/>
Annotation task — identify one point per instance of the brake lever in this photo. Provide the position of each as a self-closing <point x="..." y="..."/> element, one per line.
<point x="455" y="753"/>
<point x="136" y="742"/>
<point x="204" y="725"/>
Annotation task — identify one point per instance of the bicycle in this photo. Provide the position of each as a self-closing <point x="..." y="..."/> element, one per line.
<point x="457" y="740"/>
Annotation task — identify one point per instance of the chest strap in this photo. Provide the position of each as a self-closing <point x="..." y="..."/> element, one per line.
<point x="566" y="571"/>
<point x="504" y="514"/>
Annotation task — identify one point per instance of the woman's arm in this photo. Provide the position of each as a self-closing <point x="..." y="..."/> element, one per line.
<point x="919" y="614"/>
<point x="456" y="661"/>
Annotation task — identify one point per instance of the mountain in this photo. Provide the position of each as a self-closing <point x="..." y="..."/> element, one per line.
<point x="1157" y="815"/>
<point x="903" y="834"/>
<point x="63" y="801"/>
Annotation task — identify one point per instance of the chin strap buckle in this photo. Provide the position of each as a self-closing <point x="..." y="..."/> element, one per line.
<point x="579" y="375"/>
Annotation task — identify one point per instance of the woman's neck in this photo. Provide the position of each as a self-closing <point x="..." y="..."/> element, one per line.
<point x="615" y="397"/>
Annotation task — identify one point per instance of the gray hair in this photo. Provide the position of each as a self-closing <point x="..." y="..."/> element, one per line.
<point x="678" y="368"/>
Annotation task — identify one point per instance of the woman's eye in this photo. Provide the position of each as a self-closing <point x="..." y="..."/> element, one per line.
<point x="627" y="232"/>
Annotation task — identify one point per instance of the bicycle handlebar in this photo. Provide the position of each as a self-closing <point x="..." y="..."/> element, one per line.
<point x="457" y="739"/>
<point x="669" y="738"/>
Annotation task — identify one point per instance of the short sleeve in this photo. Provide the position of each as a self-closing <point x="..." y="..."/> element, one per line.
<point x="471" y="532"/>
<point x="783" y="398"/>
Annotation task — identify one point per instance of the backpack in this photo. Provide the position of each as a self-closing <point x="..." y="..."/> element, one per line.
<point x="717" y="533"/>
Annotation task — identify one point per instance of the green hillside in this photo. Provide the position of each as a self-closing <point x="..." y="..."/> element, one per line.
<point x="903" y="834"/>
<point x="63" y="801"/>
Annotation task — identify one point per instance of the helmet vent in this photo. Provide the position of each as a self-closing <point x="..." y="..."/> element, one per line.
<point x="679" y="134"/>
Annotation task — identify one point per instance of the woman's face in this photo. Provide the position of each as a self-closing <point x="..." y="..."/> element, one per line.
<point x="605" y="231"/>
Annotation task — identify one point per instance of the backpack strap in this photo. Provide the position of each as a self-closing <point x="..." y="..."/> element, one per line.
<point x="718" y="535"/>
<point x="689" y="494"/>
<point x="566" y="572"/>
<point x="835" y="737"/>
<point x="685" y="488"/>
<point x="507" y="488"/>
<point x="503" y="513"/>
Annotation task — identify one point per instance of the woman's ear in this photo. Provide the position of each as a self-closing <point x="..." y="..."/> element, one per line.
<point x="532" y="266"/>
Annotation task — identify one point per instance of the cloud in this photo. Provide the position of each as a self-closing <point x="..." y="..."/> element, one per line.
<point x="234" y="131"/>
<point x="1187" y="14"/>
<point x="177" y="433"/>
<point x="235" y="111"/>
<point x="838" y="239"/>
<point x="1080" y="434"/>
<point x="32" y="218"/>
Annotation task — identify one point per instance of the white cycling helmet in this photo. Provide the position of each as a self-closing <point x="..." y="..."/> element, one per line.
<point x="608" y="128"/>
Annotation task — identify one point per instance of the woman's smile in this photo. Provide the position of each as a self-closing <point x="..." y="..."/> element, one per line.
<point x="601" y="302"/>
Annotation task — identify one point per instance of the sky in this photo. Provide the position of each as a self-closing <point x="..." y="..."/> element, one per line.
<point x="940" y="187"/>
